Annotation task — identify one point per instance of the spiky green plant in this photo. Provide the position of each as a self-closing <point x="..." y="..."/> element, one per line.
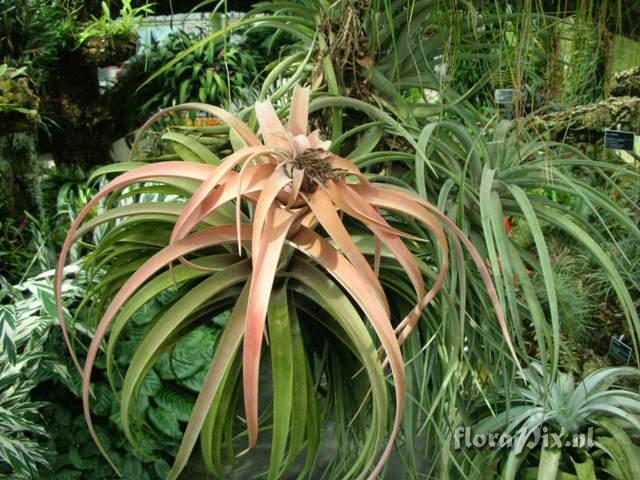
<point x="496" y="171"/>
<point x="564" y="409"/>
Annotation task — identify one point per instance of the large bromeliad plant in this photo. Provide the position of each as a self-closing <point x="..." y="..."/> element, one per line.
<point x="293" y="240"/>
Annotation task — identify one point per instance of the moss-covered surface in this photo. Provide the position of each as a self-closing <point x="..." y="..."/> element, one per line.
<point x="101" y="51"/>
<point x="586" y="123"/>
<point x="627" y="83"/>
<point x="19" y="181"/>
<point x="19" y="105"/>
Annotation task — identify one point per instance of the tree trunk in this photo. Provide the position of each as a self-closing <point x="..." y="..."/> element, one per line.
<point x="587" y="123"/>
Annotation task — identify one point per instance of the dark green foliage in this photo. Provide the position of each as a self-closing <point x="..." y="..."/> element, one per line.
<point x="216" y="74"/>
<point x="19" y="197"/>
<point x="19" y="182"/>
<point x="33" y="32"/>
<point x="37" y="205"/>
<point x="168" y="392"/>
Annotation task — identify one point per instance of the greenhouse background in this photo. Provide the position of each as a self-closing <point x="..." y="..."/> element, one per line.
<point x="310" y="239"/>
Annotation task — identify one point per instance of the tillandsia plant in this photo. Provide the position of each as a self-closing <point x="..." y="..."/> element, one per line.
<point x="550" y="429"/>
<point x="298" y="272"/>
<point x="517" y="175"/>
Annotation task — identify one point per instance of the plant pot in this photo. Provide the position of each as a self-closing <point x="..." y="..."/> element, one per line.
<point x="107" y="51"/>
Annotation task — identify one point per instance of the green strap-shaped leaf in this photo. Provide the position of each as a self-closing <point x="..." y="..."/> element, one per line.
<point x="301" y="407"/>
<point x="191" y="150"/>
<point x="549" y="463"/>
<point x="162" y="331"/>
<point x="219" y="422"/>
<point x="547" y="271"/>
<point x="323" y="291"/>
<point x="585" y="470"/>
<point x="152" y="289"/>
<point x="502" y="243"/>
<point x="117" y="167"/>
<point x="369" y="140"/>
<point x="280" y="341"/>
<point x="222" y="360"/>
<point x="627" y="445"/>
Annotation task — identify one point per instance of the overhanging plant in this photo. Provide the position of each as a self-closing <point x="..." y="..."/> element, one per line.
<point x="371" y="50"/>
<point x="298" y="275"/>
<point x="497" y="171"/>
<point x="106" y="41"/>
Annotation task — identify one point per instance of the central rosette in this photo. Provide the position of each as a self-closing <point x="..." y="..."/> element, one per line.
<point x="315" y="166"/>
<point x="308" y="162"/>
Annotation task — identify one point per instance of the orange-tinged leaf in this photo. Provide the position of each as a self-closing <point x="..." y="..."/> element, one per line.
<point x="404" y="256"/>
<point x="342" y="195"/>
<point x="195" y="171"/>
<point x="315" y="142"/>
<point x="377" y="256"/>
<point x="264" y="269"/>
<point x="193" y="208"/>
<point x="403" y="200"/>
<point x="297" y="175"/>
<point x="298" y="118"/>
<point x="325" y="211"/>
<point x="346" y="165"/>
<point x="273" y="133"/>
<point x="251" y="180"/>
<point x="375" y="222"/>
<point x="266" y="199"/>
